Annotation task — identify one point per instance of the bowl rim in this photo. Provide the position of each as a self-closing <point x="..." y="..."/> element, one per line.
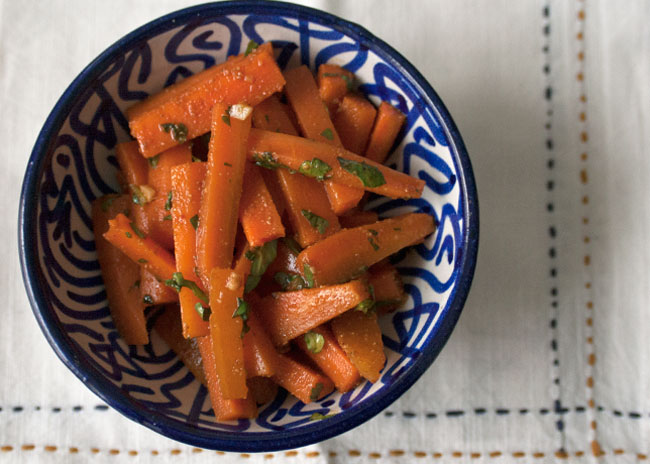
<point x="36" y="285"/>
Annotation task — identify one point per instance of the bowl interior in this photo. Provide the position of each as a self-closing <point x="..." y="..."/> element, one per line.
<point x="72" y="164"/>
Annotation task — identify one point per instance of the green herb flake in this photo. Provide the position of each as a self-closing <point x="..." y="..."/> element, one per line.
<point x="318" y="416"/>
<point x="397" y="229"/>
<point x="106" y="204"/>
<point x="315" y="168"/>
<point x="147" y="299"/>
<point x="204" y="311"/>
<point x="373" y="232"/>
<point x="137" y="195"/>
<point x="345" y="77"/>
<point x="261" y="258"/>
<point x="328" y="134"/>
<point x="369" y="175"/>
<point x="267" y="161"/>
<point x="289" y="282"/>
<point x="292" y="245"/>
<point x="316" y="221"/>
<point x="242" y="311"/>
<point x="372" y="242"/>
<point x="178" y="131"/>
<point x="365" y="306"/>
<point x="315" y="392"/>
<point x="167" y="218"/>
<point x="309" y="275"/>
<point x="153" y="161"/>
<point x="136" y="284"/>
<point x="128" y="234"/>
<point x="168" y="203"/>
<point x="227" y="164"/>
<point x="252" y="45"/>
<point x="143" y="261"/>
<point x="225" y="118"/>
<point x="195" y="159"/>
<point x="178" y="281"/>
<point x="314" y="341"/>
<point x="137" y="231"/>
<point x="194" y="220"/>
<point x="266" y="118"/>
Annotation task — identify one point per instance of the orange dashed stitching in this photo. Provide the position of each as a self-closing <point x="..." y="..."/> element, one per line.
<point x="354" y="453"/>
<point x="50" y="448"/>
<point x="495" y="454"/>
<point x="133" y="453"/>
<point x="419" y="454"/>
<point x="538" y="455"/>
<point x="561" y="454"/>
<point x="475" y="455"/>
<point x="312" y="454"/>
<point x="457" y="454"/>
<point x="114" y="451"/>
<point x="518" y="454"/>
<point x="175" y="451"/>
<point x="73" y="450"/>
<point x="396" y="452"/>
<point x="374" y="455"/>
<point x="7" y="448"/>
<point x="269" y="456"/>
<point x="197" y="450"/>
<point x="27" y="447"/>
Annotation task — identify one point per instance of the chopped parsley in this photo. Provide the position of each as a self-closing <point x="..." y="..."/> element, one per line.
<point x="267" y="161"/>
<point x="137" y="231"/>
<point x="314" y="342"/>
<point x="178" y="131"/>
<point x="372" y="242"/>
<point x="204" y="311"/>
<point x="328" y="134"/>
<point x="315" y="392"/>
<point x="153" y="161"/>
<point x="226" y="118"/>
<point x="317" y="222"/>
<point x="289" y="282"/>
<point x="261" y="258"/>
<point x="194" y="220"/>
<point x="167" y="218"/>
<point x="143" y="261"/>
<point x="168" y="203"/>
<point x="128" y="234"/>
<point x="365" y="306"/>
<point x="315" y="168"/>
<point x="292" y="245"/>
<point x="227" y="164"/>
<point x="369" y="175"/>
<point x="318" y="416"/>
<point x="106" y="204"/>
<point x="309" y="275"/>
<point x="147" y="299"/>
<point x="178" y="281"/>
<point x="242" y="311"/>
<point x="252" y="45"/>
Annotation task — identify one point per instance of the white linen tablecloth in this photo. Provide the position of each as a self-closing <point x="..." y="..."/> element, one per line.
<point x="550" y="359"/>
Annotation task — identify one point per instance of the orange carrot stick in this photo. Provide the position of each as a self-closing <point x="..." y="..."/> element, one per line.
<point x="353" y="122"/>
<point x="141" y="249"/>
<point x="301" y="381"/>
<point x="388" y="286"/>
<point x="168" y="326"/>
<point x="224" y="409"/>
<point x="347" y="168"/>
<point x="133" y="165"/>
<point x="187" y="183"/>
<point x="263" y="389"/>
<point x="315" y="123"/>
<point x="330" y="358"/>
<point x="358" y="218"/>
<point x="257" y="213"/>
<point x="364" y="246"/>
<point x="224" y="175"/>
<point x="159" y="176"/>
<point x="183" y="111"/>
<point x="287" y="315"/>
<point x="119" y="274"/>
<point x="154" y="292"/>
<point x="333" y="83"/>
<point x="260" y="356"/>
<point x="226" y="289"/>
<point x="387" y="125"/>
<point x="273" y="115"/>
<point x="360" y="337"/>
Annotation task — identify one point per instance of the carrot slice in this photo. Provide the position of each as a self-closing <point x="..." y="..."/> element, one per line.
<point x="224" y="409"/>
<point x="358" y="218"/>
<point x="387" y="125"/>
<point x="301" y="381"/>
<point x="289" y="314"/>
<point x="154" y="292"/>
<point x="183" y="111"/>
<point x="168" y="325"/>
<point x="263" y="389"/>
<point x="226" y="288"/>
<point x="273" y="115"/>
<point x="130" y="240"/>
<point x="315" y="124"/>
<point x="187" y="182"/>
<point x="133" y="165"/>
<point x="292" y="151"/>
<point x="119" y="274"/>
<point x="257" y="213"/>
<point x="260" y="356"/>
<point x="387" y="285"/>
<point x="222" y="191"/>
<point x="333" y="83"/>
<point x="360" y="336"/>
<point x="330" y="358"/>
<point x="364" y="246"/>
<point x="353" y="122"/>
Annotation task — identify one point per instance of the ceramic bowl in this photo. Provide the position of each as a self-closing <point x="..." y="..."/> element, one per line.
<point x="72" y="163"/>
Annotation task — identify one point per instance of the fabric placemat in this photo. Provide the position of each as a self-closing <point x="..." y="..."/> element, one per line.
<point x="549" y="361"/>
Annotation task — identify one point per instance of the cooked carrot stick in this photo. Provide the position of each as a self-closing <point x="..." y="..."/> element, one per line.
<point x="347" y="168"/>
<point x="387" y="285"/>
<point x="155" y="221"/>
<point x="257" y="213"/>
<point x="226" y="290"/>
<point x="155" y="292"/>
<point x="119" y="273"/>
<point x="315" y="124"/>
<point x="353" y="122"/>
<point x="260" y="356"/>
<point x="387" y="125"/>
<point x="168" y="325"/>
<point x="333" y="83"/>
<point x="287" y="315"/>
<point x="141" y="249"/>
<point x="360" y="337"/>
<point x="263" y="389"/>
<point x="224" y="409"/>
<point x="187" y="183"/>
<point x="224" y="175"/>
<point x="133" y="165"/>
<point x="159" y="175"/>
<point x="329" y="357"/>
<point x="364" y="246"/>
<point x="300" y="380"/>
<point x="183" y="111"/>
<point x="299" y="192"/>
<point x="356" y="218"/>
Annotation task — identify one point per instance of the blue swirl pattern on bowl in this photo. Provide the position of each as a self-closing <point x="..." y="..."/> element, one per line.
<point x="72" y="164"/>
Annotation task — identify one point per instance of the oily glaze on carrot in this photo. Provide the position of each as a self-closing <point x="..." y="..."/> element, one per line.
<point x="224" y="409"/>
<point x="168" y="325"/>
<point x="353" y="122"/>
<point x="364" y="246"/>
<point x="287" y="315"/>
<point x="133" y="165"/>
<point x="260" y="356"/>
<point x="154" y="292"/>
<point x="119" y="273"/>
<point x="143" y="251"/>
<point x="333" y="83"/>
<point x="215" y="239"/>
<point x="315" y="124"/>
<point x="257" y="213"/>
<point x="360" y="337"/>
<point x="332" y="360"/>
<point x="293" y="151"/>
<point x="244" y="79"/>
<point x="187" y="183"/>
<point x="388" y="286"/>
<point x="300" y="380"/>
<point x="358" y="218"/>
<point x="387" y="125"/>
<point x="226" y="287"/>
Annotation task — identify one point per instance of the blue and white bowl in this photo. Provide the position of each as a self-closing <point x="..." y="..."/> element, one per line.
<point x="72" y="163"/>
